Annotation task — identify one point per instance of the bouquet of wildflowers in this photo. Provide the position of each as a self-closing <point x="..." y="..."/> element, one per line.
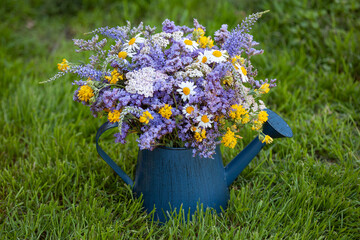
<point x="176" y="88"/>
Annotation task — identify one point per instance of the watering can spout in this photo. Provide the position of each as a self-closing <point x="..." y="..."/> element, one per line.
<point x="275" y="127"/>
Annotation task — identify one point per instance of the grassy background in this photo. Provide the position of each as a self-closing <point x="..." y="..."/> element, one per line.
<point x="53" y="185"/>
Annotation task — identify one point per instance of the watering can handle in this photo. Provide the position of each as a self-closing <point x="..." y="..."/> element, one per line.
<point x="106" y="126"/>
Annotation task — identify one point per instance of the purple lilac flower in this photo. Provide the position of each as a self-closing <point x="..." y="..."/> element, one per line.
<point x="114" y="33"/>
<point x="198" y="25"/>
<point x="169" y="26"/>
<point x="120" y="137"/>
<point x="90" y="45"/>
<point x="87" y="71"/>
<point x="222" y="34"/>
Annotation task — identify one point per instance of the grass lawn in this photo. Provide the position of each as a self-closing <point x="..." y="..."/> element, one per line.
<point x="53" y="184"/>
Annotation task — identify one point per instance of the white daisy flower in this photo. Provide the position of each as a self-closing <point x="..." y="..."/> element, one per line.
<point x="243" y="74"/>
<point x="204" y="120"/>
<point x="239" y="68"/>
<point x="191" y="45"/>
<point x="189" y="111"/>
<point x="202" y="58"/>
<point x="216" y="56"/>
<point x="186" y="89"/>
<point x="194" y="129"/>
<point x="133" y="44"/>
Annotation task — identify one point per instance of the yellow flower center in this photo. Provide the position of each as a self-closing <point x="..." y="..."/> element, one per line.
<point x="205" y="119"/>
<point x="204" y="59"/>
<point x="189" y="109"/>
<point x="122" y="55"/>
<point x="217" y="53"/>
<point x="132" y="41"/>
<point x="243" y="71"/>
<point x="188" y="42"/>
<point x="186" y="90"/>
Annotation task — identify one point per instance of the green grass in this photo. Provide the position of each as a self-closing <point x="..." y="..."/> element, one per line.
<point x="53" y="184"/>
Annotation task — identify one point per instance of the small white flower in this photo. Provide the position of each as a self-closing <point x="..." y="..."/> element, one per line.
<point x="133" y="44"/>
<point x="177" y="35"/>
<point x="159" y="40"/>
<point x="145" y="49"/>
<point x="186" y="90"/>
<point x="180" y="75"/>
<point x="204" y="120"/>
<point x="216" y="56"/>
<point x="142" y="81"/>
<point x="191" y="45"/>
<point x="189" y="111"/>
<point x="194" y="73"/>
<point x="204" y="68"/>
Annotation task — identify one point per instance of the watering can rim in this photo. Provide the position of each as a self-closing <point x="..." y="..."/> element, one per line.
<point x="173" y="148"/>
<point x="278" y="124"/>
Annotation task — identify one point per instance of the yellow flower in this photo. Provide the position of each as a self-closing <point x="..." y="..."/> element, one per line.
<point x="237" y="112"/>
<point x="115" y="77"/>
<point x="264" y="88"/>
<point x="85" y="93"/>
<point x="165" y="111"/>
<point x="114" y="116"/>
<point x="205" y="42"/>
<point x="199" y="136"/>
<point x="199" y="32"/>
<point x="146" y="117"/>
<point x="228" y="80"/>
<point x="229" y="139"/>
<point x="235" y="60"/>
<point x="263" y="116"/>
<point x="256" y="126"/>
<point x="218" y="118"/>
<point x="267" y="139"/>
<point x="245" y="119"/>
<point x="64" y="65"/>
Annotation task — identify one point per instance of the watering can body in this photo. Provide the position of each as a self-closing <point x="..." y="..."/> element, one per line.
<point x="170" y="179"/>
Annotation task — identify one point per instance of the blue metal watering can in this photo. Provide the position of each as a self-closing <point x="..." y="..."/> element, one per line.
<point x="171" y="178"/>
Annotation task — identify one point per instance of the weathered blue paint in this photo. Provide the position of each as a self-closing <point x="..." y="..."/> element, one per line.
<point x="170" y="178"/>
